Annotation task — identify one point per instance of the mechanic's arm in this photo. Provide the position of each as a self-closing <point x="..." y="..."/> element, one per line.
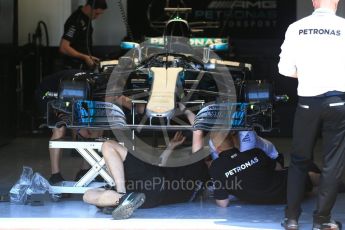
<point x="190" y="115"/>
<point x="220" y="193"/>
<point x="287" y="62"/>
<point x="273" y="164"/>
<point x="198" y="140"/>
<point x="67" y="49"/>
<point x="223" y="203"/>
<point x="221" y="196"/>
<point x="177" y="140"/>
<point x="198" y="136"/>
<point x="279" y="167"/>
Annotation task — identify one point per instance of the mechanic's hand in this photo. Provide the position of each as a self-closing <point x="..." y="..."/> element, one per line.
<point x="91" y="61"/>
<point x="95" y="60"/>
<point x="181" y="106"/>
<point x="177" y="140"/>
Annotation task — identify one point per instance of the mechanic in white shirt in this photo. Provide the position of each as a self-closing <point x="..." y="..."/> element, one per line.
<point x="314" y="52"/>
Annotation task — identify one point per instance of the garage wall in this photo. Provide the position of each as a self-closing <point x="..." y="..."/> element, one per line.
<point x="52" y="12"/>
<point x="6" y="21"/>
<point x="109" y="28"/>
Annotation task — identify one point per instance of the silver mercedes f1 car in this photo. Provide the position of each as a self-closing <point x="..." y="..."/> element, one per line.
<point x="145" y="88"/>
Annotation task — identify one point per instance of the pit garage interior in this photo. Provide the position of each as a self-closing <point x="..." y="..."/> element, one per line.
<point x="31" y="31"/>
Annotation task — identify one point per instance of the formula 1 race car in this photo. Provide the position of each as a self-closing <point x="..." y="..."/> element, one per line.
<point x="147" y="87"/>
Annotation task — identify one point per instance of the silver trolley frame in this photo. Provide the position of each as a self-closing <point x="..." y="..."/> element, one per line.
<point x="87" y="150"/>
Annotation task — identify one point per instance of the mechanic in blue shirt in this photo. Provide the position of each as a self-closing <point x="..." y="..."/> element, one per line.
<point x="314" y="52"/>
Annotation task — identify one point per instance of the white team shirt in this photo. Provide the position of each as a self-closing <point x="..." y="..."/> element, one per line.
<point x="314" y="49"/>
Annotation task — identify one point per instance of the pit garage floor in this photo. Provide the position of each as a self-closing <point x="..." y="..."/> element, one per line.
<point x="72" y="213"/>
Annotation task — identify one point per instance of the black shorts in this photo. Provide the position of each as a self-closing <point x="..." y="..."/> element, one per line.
<point x="182" y="182"/>
<point x="145" y="178"/>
